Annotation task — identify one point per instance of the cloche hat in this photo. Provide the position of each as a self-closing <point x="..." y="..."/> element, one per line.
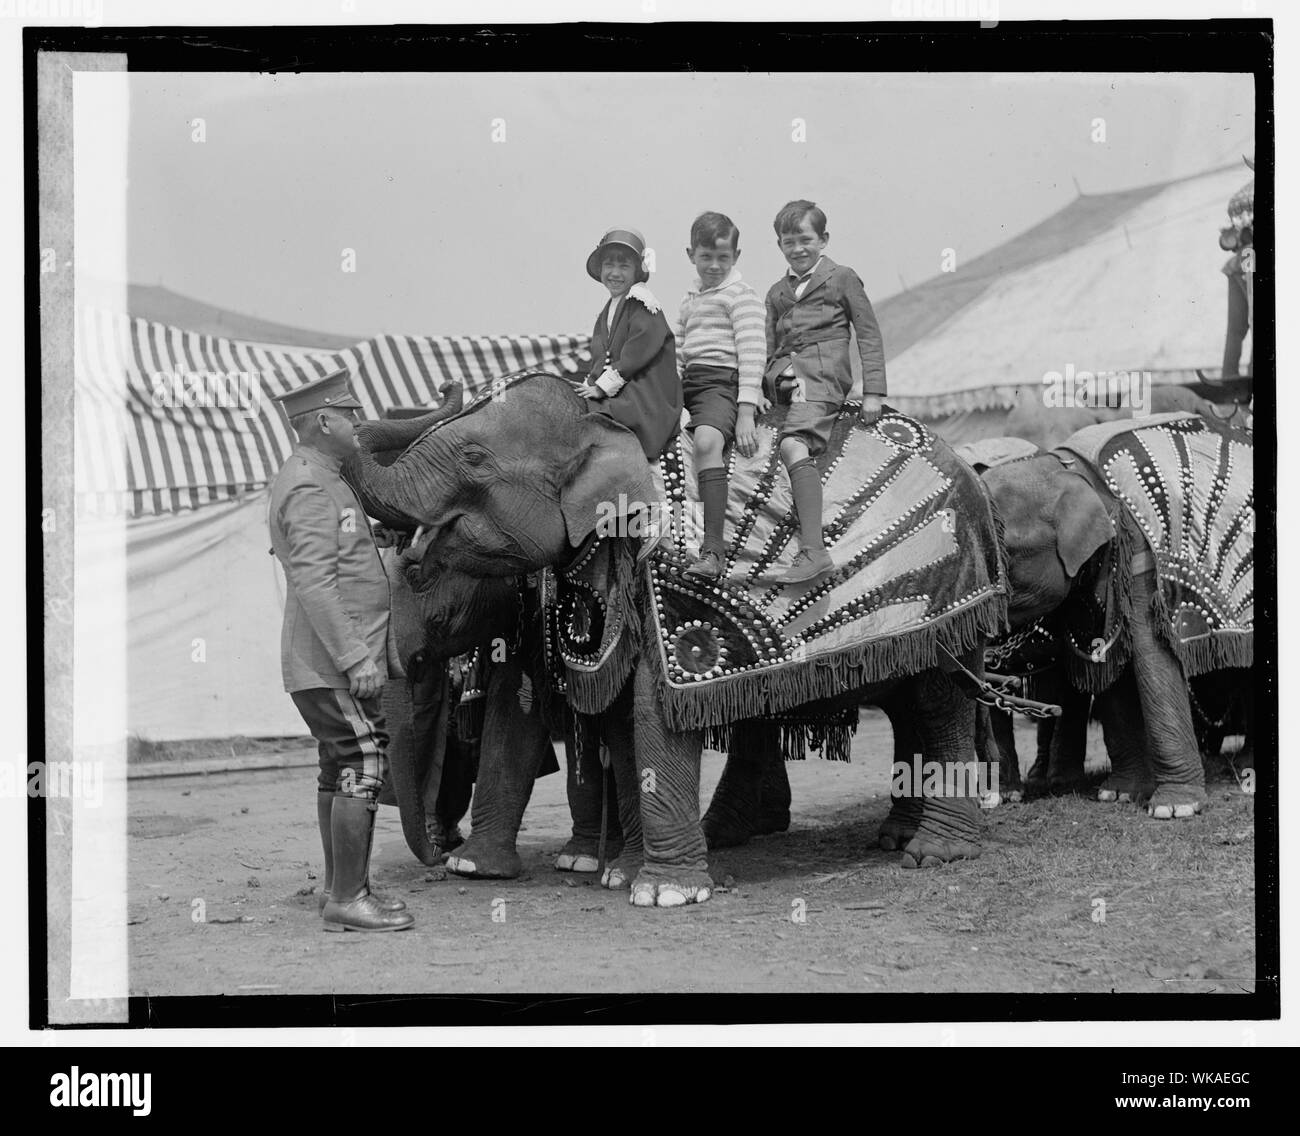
<point x="629" y="239"/>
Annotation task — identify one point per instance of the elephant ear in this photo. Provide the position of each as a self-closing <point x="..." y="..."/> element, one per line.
<point x="608" y="478"/>
<point x="1082" y="524"/>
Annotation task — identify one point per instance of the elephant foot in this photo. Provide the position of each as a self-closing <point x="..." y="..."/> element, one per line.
<point x="901" y="824"/>
<point x="674" y="890"/>
<point x="724" y="828"/>
<point x="619" y="874"/>
<point x="480" y="860"/>
<point x="995" y="799"/>
<point x="728" y="829"/>
<point x="1124" y="790"/>
<point x="925" y="850"/>
<point x="1036" y="789"/>
<point x="442" y="839"/>
<point x="1176" y="802"/>
<point x="583" y="855"/>
<point x="949" y="830"/>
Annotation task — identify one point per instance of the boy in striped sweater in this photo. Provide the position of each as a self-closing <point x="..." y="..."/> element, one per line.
<point x="721" y="350"/>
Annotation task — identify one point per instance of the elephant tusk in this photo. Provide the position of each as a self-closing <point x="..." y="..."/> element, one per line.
<point x="419" y="533"/>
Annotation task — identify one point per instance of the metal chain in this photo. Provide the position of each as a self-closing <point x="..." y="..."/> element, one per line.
<point x="1029" y="709"/>
<point x="1199" y="710"/>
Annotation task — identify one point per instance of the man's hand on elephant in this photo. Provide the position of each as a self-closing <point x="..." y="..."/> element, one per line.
<point x="591" y="392"/>
<point x="746" y="431"/>
<point x="363" y="679"/>
<point x="872" y="408"/>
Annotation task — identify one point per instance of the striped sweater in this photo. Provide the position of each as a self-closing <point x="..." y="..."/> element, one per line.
<point x="724" y="327"/>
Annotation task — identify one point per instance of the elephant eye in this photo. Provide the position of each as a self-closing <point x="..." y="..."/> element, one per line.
<point x="474" y="457"/>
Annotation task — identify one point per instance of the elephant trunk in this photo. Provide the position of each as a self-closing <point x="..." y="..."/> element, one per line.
<point x="401" y="427"/>
<point x="387" y="491"/>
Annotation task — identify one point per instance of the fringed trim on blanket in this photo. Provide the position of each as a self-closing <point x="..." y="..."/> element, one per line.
<point x="779" y="688"/>
<point x="591" y="692"/>
<point x="952" y="402"/>
<point x="1205" y="653"/>
<point x="831" y="737"/>
<point x="1095" y="677"/>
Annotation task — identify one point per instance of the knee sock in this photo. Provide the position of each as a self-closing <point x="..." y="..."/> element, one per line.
<point x="712" y="485"/>
<point x="806" y="488"/>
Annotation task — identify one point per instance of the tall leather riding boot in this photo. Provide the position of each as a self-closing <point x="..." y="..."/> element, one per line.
<point x="324" y="805"/>
<point x="351" y="907"/>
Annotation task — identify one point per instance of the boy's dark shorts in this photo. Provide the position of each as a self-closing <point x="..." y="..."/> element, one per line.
<point x="811" y="421"/>
<point x="709" y="393"/>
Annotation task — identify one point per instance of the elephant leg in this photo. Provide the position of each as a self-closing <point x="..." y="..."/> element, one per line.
<point x="995" y="746"/>
<point x="1125" y="733"/>
<point x="774" y="801"/>
<point x="515" y="744"/>
<point x="1061" y="742"/>
<point x="416" y="712"/>
<point x="904" y="803"/>
<point x="1162" y="690"/>
<point x="455" y="793"/>
<point x="615" y="729"/>
<point x="1036" y="780"/>
<point x="592" y="794"/>
<point x="734" y="813"/>
<point x="676" y="868"/>
<point x="1069" y="743"/>
<point x="905" y="808"/>
<point x="950" y="816"/>
<point x="1245" y="758"/>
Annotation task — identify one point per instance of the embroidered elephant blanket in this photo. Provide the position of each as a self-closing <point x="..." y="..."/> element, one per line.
<point x="1188" y="485"/>
<point x="918" y="566"/>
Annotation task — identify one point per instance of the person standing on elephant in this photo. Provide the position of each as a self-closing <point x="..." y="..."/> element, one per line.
<point x="333" y="643"/>
<point x="633" y="375"/>
<point x="810" y="311"/>
<point x="1239" y="239"/>
<point x="720" y="352"/>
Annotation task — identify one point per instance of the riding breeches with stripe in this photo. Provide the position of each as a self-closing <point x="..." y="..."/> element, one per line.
<point x="352" y="740"/>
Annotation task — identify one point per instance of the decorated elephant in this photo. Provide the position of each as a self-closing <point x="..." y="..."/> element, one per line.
<point x="452" y="726"/>
<point x="1063" y="534"/>
<point x="1135" y="541"/>
<point x="524" y="478"/>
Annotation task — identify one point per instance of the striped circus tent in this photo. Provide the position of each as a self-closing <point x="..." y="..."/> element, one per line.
<point x="170" y="419"/>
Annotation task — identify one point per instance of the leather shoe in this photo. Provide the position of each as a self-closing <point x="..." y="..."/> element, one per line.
<point x="809" y="564"/>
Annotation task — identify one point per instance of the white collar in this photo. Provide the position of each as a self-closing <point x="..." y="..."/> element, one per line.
<point x="732" y="277"/>
<point x="802" y="275"/>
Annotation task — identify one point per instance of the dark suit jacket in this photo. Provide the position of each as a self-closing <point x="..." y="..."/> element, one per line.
<point x="641" y="348"/>
<point x="336" y="601"/>
<point x="813" y="333"/>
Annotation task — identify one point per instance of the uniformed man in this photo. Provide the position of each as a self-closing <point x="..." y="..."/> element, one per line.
<point x="333" y="643"/>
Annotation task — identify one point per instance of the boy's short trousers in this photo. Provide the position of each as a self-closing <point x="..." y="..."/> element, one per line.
<point x="709" y="393"/>
<point x="810" y="421"/>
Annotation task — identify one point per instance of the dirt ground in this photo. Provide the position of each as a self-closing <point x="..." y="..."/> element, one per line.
<point x="222" y="868"/>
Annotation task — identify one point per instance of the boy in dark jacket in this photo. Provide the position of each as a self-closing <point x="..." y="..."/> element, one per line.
<point x="809" y="313"/>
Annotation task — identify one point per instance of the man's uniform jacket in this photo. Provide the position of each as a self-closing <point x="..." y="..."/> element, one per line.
<point x="337" y="601"/>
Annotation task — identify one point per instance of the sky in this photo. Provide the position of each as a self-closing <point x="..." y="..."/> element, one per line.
<point x="470" y="201"/>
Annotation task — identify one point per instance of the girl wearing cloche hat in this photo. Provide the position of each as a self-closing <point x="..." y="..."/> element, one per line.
<point x="633" y="375"/>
